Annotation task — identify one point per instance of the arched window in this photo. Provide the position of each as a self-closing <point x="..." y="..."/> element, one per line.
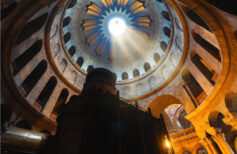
<point x="192" y="87"/>
<point x="207" y="46"/>
<point x="166" y="30"/>
<point x="163" y="45"/>
<point x="72" y="3"/>
<point x="80" y="61"/>
<point x="203" y="67"/>
<point x="6" y="11"/>
<point x="72" y="50"/>
<point x="61" y="100"/>
<point x="89" y="68"/>
<point x="67" y="37"/>
<point x="147" y="67"/>
<point x="24" y="124"/>
<point x="34" y="77"/>
<point x="66" y="21"/>
<point x="156" y="57"/>
<point x="124" y="75"/>
<point x="46" y="92"/>
<point x="25" y="58"/>
<point x="165" y="15"/>
<point x="31" y="27"/>
<point x="136" y="73"/>
<point x="195" y="18"/>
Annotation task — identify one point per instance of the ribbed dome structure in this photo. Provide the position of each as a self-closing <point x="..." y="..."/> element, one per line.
<point x="176" y="57"/>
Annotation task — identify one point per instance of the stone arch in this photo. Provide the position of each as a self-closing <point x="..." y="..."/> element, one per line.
<point x="161" y="102"/>
<point x="124" y="76"/>
<point x="31" y="27"/>
<point x="206" y="45"/>
<point x="215" y="119"/>
<point x="46" y="92"/>
<point x="34" y="77"/>
<point x="26" y="56"/>
<point x="180" y="121"/>
<point x="7" y="10"/>
<point x="60" y="101"/>
<point x="195" y="18"/>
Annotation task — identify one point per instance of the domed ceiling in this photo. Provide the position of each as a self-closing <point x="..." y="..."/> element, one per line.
<point x="131" y="38"/>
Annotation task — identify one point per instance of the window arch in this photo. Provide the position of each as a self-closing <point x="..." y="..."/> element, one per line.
<point x="124" y="75"/>
<point x="67" y="37"/>
<point x="72" y="50"/>
<point x="25" y="58"/>
<point x="72" y="3"/>
<point x="163" y="45"/>
<point x="31" y="27"/>
<point x="80" y="61"/>
<point x="46" y="92"/>
<point x="156" y="57"/>
<point x="34" y="77"/>
<point x="66" y="21"/>
<point x="206" y="45"/>
<point x="7" y="10"/>
<point x="89" y="68"/>
<point x="195" y="18"/>
<point x="136" y="73"/>
<point x="147" y="67"/>
<point x="166" y="30"/>
<point x="61" y="100"/>
<point x="203" y="67"/>
<point x="193" y="88"/>
<point x="165" y="15"/>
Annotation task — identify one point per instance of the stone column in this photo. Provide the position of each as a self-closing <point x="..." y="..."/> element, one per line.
<point x="221" y="142"/>
<point x="209" y="146"/>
